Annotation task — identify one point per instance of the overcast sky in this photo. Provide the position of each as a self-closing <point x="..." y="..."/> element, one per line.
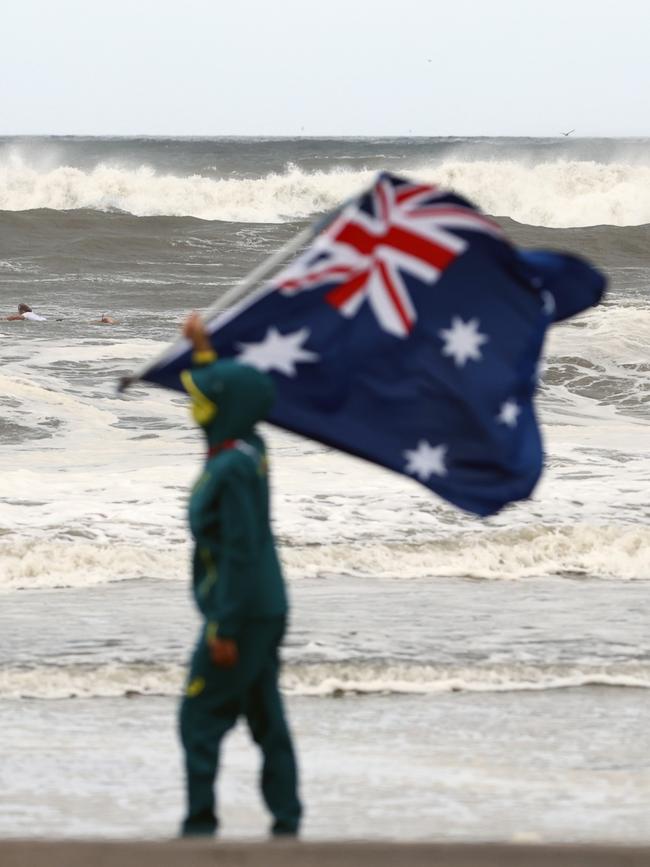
<point x="340" y="67"/>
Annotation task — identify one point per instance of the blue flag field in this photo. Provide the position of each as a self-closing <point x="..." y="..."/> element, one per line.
<point x="409" y="333"/>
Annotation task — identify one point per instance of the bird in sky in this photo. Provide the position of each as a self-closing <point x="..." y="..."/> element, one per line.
<point x="568" y="133"/>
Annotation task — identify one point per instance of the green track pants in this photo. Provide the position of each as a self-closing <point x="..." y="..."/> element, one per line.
<point x="214" y="700"/>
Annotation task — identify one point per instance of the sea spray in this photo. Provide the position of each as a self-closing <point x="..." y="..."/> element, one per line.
<point x="561" y="193"/>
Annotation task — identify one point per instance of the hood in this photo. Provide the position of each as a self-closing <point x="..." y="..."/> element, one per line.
<point x="228" y="398"/>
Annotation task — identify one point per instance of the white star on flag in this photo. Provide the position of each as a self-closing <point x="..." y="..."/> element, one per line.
<point x="548" y="303"/>
<point x="277" y="351"/>
<point x="462" y="340"/>
<point x="509" y="413"/>
<point x="426" y="460"/>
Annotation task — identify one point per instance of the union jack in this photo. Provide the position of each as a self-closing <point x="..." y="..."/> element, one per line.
<point x="397" y="227"/>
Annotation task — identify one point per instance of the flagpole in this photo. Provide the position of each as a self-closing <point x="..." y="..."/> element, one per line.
<point x="259" y="273"/>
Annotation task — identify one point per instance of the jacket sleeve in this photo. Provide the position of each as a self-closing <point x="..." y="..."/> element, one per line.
<point x="239" y="543"/>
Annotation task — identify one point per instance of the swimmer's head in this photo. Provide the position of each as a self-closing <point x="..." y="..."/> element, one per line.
<point x="24" y="308"/>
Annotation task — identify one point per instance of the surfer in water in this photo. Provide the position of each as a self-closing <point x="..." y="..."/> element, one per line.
<point x="25" y="312"/>
<point x="106" y="320"/>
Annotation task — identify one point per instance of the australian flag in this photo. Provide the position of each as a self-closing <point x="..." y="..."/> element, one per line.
<point x="409" y="333"/>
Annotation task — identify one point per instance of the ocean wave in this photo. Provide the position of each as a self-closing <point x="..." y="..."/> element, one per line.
<point x="31" y="564"/>
<point x="386" y="676"/>
<point x="143" y="192"/>
<point x="537" y="551"/>
<point x="603" y="357"/>
<point x="115" y="679"/>
<point x="560" y="193"/>
<point x="604" y="552"/>
<point x="612" y="335"/>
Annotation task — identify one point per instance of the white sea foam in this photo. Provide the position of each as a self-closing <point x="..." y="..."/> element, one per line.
<point x="607" y="334"/>
<point x="110" y="679"/>
<point x="607" y="552"/>
<point x="94" y="504"/>
<point x="116" y="679"/>
<point x="321" y="679"/>
<point x="559" y="193"/>
<point x="69" y="563"/>
<point x="103" y="497"/>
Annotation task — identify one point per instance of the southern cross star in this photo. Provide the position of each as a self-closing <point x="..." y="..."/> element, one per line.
<point x="509" y="413"/>
<point x="277" y="351"/>
<point x="462" y="340"/>
<point x="548" y="303"/>
<point x="426" y="461"/>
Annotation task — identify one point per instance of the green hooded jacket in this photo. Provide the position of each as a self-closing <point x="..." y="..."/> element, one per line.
<point x="236" y="573"/>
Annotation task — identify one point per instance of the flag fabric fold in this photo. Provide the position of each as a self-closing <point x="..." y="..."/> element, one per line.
<point x="409" y="333"/>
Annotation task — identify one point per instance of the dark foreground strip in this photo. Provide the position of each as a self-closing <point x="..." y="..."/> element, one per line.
<point x="177" y="853"/>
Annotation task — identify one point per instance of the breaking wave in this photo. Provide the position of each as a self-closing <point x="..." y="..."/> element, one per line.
<point x="117" y="679"/>
<point x="559" y="193"/>
<point x="571" y="551"/>
<point x="29" y="564"/>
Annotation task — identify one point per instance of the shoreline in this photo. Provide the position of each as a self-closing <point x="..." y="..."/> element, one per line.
<point x="566" y="766"/>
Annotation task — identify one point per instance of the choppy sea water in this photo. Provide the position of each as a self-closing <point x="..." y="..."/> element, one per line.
<point x="409" y="609"/>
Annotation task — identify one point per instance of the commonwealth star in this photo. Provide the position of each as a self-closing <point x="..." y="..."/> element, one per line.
<point x="462" y="340"/>
<point x="277" y="351"/>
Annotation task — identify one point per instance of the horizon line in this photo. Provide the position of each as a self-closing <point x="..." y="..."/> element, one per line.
<point x="293" y="137"/>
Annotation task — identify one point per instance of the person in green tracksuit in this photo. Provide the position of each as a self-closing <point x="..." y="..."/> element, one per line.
<point x="239" y="589"/>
